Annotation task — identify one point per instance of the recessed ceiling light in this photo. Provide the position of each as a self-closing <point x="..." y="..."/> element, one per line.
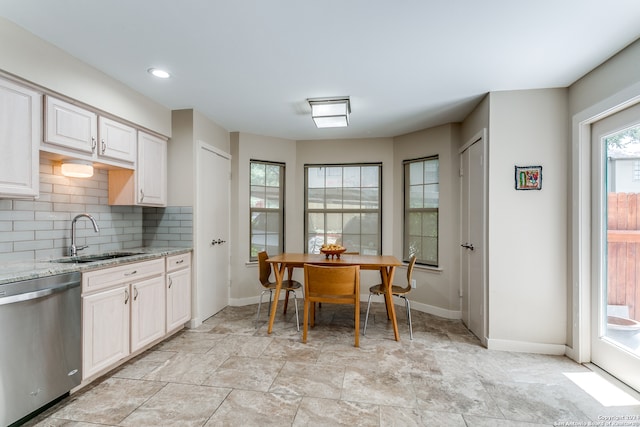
<point x="162" y="74"/>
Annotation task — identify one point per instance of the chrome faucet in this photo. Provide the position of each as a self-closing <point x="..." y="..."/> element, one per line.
<point x="73" y="249"/>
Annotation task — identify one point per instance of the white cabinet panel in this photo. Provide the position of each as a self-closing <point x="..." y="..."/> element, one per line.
<point x="105" y="329"/>
<point x="178" y="290"/>
<point x="20" y="133"/>
<point x="117" y="140"/>
<point x="178" y="298"/>
<point x="68" y="126"/>
<point x="147" y="312"/>
<point x="151" y="171"/>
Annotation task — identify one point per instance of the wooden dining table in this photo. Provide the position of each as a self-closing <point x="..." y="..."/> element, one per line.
<point x="386" y="264"/>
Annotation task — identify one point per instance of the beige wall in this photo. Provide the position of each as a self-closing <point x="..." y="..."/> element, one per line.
<point x="619" y="72"/>
<point x="475" y="122"/>
<point x="41" y="63"/>
<point x="180" y="167"/>
<point x="189" y="126"/>
<point x="528" y="229"/>
<point x="244" y="147"/>
<point x="437" y="290"/>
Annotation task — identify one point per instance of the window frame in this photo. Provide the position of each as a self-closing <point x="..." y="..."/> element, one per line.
<point x="635" y="170"/>
<point x="265" y="210"/>
<point x="325" y="211"/>
<point x="406" y="209"/>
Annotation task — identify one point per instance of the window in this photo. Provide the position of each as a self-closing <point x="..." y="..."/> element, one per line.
<point x="636" y="170"/>
<point x="342" y="205"/>
<point x="266" y="208"/>
<point x="421" y="201"/>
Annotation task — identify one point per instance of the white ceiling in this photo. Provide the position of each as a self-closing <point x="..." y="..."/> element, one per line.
<point x="250" y="65"/>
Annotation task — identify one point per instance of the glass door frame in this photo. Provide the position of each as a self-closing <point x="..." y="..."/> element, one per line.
<point x="605" y="351"/>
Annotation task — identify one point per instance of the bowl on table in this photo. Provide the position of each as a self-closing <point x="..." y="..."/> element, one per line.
<point x="333" y="252"/>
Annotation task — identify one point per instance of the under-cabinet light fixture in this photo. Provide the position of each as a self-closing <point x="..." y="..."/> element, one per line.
<point x="157" y="72"/>
<point x="77" y="168"/>
<point x="330" y="112"/>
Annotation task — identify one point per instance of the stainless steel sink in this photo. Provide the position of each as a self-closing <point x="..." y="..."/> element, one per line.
<point x="93" y="258"/>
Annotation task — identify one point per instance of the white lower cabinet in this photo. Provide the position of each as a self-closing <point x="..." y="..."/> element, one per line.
<point x="130" y="307"/>
<point x="147" y="314"/>
<point x="178" y="291"/>
<point x="105" y="329"/>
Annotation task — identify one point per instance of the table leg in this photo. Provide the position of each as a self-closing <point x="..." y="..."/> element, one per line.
<point x="387" y="276"/>
<point x="279" y="272"/>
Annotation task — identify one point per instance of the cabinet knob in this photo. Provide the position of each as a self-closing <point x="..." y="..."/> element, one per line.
<point x="126" y="296"/>
<point x="141" y="195"/>
<point x="104" y="146"/>
<point x="94" y="144"/>
<point x="170" y="282"/>
<point x="135" y="293"/>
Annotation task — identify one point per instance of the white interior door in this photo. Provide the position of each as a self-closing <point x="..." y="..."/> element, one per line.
<point x="212" y="235"/>
<point x="615" y="293"/>
<point x="472" y="233"/>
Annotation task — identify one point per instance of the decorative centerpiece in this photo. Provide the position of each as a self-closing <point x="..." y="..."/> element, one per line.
<point x="332" y="250"/>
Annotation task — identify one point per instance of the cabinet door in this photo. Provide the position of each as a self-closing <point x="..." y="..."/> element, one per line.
<point x="105" y="329"/>
<point x="69" y="126"/>
<point x="20" y="133"/>
<point x="147" y="312"/>
<point x="117" y="141"/>
<point x="151" y="170"/>
<point x="178" y="298"/>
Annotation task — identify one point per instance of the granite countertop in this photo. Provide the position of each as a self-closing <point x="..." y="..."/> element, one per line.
<point x="25" y="270"/>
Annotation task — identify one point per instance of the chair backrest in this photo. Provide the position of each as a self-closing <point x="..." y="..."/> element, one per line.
<point x="332" y="284"/>
<point x="265" y="268"/>
<point x="412" y="262"/>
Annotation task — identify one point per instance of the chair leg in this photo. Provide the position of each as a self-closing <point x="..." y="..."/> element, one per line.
<point x="286" y="302"/>
<point x="408" y="306"/>
<point x="305" y="320"/>
<point x="295" y="301"/>
<point x="366" y="318"/>
<point x="313" y="314"/>
<point x="260" y="304"/>
<point x="357" y="321"/>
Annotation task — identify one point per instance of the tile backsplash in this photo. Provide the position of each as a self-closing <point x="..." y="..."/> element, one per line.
<point x="41" y="229"/>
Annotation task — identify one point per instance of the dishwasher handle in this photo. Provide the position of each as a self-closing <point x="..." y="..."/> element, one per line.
<point x="41" y="293"/>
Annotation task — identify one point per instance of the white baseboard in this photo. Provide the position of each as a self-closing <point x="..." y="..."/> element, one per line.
<point x="526" y="347"/>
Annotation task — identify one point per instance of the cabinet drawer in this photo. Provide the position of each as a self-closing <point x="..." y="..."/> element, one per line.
<point x="177" y="262"/>
<point x="105" y="278"/>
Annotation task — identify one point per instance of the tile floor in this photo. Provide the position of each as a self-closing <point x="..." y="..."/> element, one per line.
<point x="227" y="373"/>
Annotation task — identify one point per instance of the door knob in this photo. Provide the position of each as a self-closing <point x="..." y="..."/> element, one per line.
<point x="467" y="245"/>
<point x="217" y="242"/>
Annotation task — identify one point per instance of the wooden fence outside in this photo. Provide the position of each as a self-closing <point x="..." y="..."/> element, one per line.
<point x="623" y="251"/>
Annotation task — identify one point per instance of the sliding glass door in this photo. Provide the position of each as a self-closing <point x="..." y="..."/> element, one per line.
<point x="615" y="328"/>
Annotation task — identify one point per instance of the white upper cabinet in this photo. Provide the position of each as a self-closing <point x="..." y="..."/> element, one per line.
<point x="20" y="134"/>
<point x="151" y="173"/>
<point x="76" y="132"/>
<point x="147" y="185"/>
<point x="70" y="127"/>
<point x="117" y="140"/>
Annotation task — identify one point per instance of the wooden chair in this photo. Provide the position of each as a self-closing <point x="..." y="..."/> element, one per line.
<point x="335" y="285"/>
<point x="288" y="285"/>
<point x="398" y="291"/>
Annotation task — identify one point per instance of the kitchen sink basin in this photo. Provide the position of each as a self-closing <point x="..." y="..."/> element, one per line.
<point x="93" y="258"/>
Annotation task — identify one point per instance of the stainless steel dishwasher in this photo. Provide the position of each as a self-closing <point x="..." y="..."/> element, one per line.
<point x="40" y="343"/>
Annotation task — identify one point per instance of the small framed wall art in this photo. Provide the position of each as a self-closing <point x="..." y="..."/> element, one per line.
<point x="528" y="177"/>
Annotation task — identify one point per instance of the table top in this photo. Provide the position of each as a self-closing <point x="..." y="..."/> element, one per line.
<point x="371" y="261"/>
